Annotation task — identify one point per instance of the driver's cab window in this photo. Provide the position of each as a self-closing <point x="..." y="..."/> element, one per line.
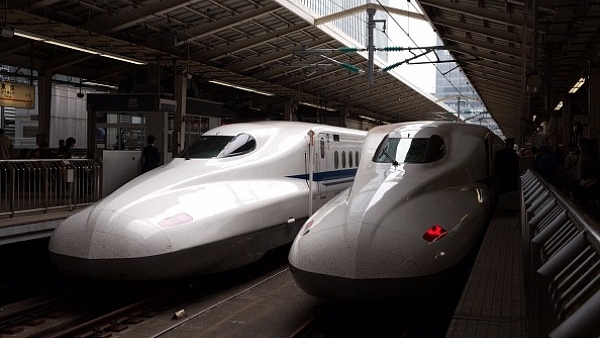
<point x="217" y="146"/>
<point x="410" y="150"/>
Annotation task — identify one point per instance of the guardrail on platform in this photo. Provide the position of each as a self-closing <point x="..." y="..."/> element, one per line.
<point x="42" y="185"/>
<point x="562" y="263"/>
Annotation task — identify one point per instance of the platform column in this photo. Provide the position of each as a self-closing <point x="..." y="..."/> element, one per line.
<point x="343" y="114"/>
<point x="567" y="119"/>
<point x="44" y="108"/>
<point x="289" y="109"/>
<point x="594" y="103"/>
<point x="178" y="137"/>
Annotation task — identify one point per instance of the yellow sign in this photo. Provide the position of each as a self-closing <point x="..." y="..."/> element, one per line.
<point x="17" y="95"/>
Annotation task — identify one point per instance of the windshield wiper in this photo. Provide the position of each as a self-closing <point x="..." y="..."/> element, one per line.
<point x="394" y="162"/>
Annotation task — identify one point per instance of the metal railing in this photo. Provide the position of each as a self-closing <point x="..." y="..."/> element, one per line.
<point x="562" y="263"/>
<point x="41" y="185"/>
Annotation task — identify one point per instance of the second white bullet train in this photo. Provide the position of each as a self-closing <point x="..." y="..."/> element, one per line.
<point x="421" y="199"/>
<point x="237" y="192"/>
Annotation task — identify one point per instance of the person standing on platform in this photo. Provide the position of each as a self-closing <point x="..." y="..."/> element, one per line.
<point x="6" y="146"/>
<point x="588" y="188"/>
<point x="570" y="173"/>
<point x="507" y="167"/>
<point x="66" y="151"/>
<point x="41" y="151"/>
<point x="150" y="155"/>
<point x="546" y="165"/>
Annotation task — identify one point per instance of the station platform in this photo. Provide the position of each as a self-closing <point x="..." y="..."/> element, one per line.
<point x="19" y="228"/>
<point x="493" y="300"/>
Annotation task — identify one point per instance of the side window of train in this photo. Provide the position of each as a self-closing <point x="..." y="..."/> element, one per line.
<point x="356" y="158"/>
<point x="350" y="162"/>
<point x="336" y="159"/>
<point x="343" y="159"/>
<point x="322" y="147"/>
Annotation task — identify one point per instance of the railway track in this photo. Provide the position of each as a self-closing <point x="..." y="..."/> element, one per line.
<point x="260" y="300"/>
<point x="109" y="309"/>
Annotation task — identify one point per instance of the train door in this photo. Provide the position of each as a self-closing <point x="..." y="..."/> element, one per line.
<point x="321" y="167"/>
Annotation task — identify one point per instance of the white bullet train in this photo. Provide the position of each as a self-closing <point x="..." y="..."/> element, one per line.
<point x="237" y="192"/>
<point x="422" y="196"/>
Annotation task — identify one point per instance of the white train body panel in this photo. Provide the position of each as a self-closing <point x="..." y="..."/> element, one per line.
<point x="368" y="242"/>
<point x="209" y="214"/>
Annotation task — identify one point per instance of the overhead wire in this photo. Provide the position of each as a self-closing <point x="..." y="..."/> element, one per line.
<point x="444" y="75"/>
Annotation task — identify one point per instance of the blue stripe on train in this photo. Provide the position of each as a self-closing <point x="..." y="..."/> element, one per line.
<point x="330" y="177"/>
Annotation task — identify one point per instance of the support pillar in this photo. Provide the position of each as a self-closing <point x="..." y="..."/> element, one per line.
<point x="44" y="108"/>
<point x="566" y="121"/>
<point x="594" y="103"/>
<point x="343" y="115"/>
<point x="289" y="109"/>
<point x="178" y="137"/>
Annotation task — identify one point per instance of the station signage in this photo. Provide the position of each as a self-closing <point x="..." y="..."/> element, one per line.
<point x="17" y="95"/>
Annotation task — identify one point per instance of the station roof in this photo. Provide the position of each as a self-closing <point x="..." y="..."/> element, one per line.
<point x="493" y="43"/>
<point x="259" y="44"/>
<point x="252" y="43"/>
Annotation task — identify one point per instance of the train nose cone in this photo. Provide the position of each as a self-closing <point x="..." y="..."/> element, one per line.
<point x="106" y="245"/>
<point x="106" y="235"/>
<point x="357" y="261"/>
<point x="366" y="251"/>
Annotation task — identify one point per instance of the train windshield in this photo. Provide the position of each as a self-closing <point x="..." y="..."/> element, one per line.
<point x="410" y="150"/>
<point x="219" y="146"/>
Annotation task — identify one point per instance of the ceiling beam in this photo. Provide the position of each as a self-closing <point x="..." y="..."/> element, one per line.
<point x="240" y="46"/>
<point x="110" y="23"/>
<point x="478" y="12"/>
<point x="223" y="23"/>
<point x="509" y="37"/>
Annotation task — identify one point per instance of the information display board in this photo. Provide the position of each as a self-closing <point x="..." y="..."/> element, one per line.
<point x="17" y="95"/>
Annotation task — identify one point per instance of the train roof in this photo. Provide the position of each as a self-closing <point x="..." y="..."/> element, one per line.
<point x="286" y="126"/>
<point x="426" y="128"/>
<point x="420" y="129"/>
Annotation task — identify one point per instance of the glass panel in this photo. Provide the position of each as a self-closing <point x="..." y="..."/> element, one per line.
<point x="101" y="138"/>
<point x="219" y="146"/>
<point x="416" y="150"/>
<point x="135" y="139"/>
<point x="112" y="138"/>
<point x="241" y="144"/>
<point x="322" y="147"/>
<point x="112" y="118"/>
<point x="137" y="120"/>
<point x="336" y="159"/>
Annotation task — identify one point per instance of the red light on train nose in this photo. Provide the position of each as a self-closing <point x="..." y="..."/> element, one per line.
<point x="434" y="233"/>
<point x="307" y="227"/>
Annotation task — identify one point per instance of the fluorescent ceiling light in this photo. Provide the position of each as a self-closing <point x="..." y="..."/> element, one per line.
<point x="317" y="106"/>
<point x="577" y="85"/>
<point x="98" y="84"/>
<point x="73" y="46"/>
<point x="367" y="118"/>
<point x="558" y="106"/>
<point x="226" y="84"/>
